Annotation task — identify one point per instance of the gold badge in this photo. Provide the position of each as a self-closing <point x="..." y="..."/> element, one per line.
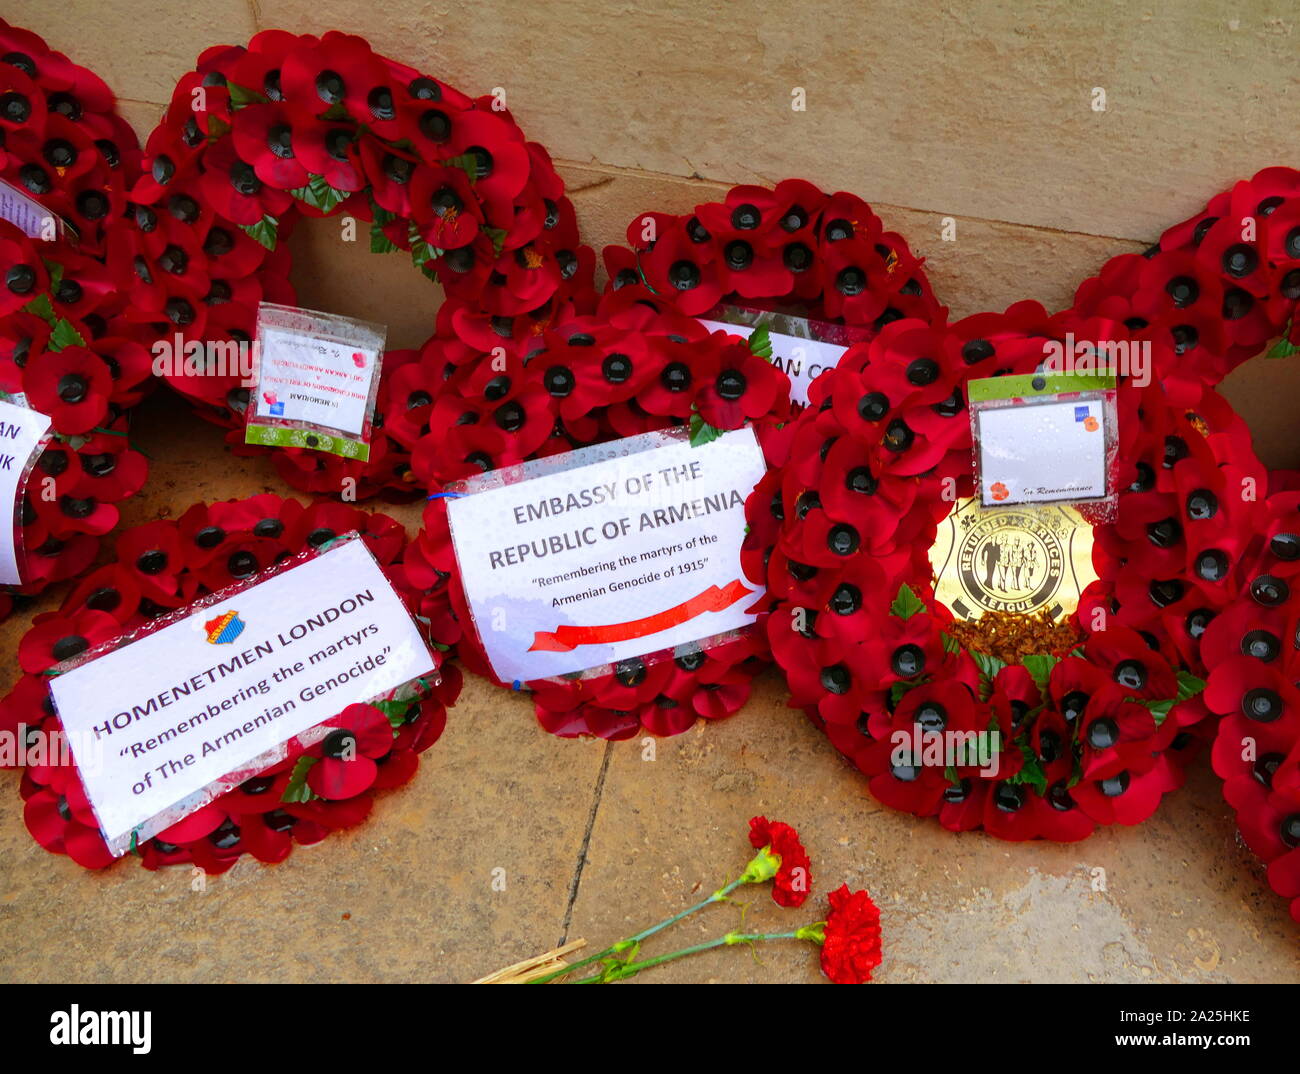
<point x="1018" y="560"/>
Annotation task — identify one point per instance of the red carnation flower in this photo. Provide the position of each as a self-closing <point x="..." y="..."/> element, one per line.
<point x="851" y="950"/>
<point x="793" y="880"/>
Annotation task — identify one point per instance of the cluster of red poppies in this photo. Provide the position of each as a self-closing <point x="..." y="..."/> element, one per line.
<point x="298" y="125"/>
<point x="631" y="367"/>
<point x="61" y="140"/>
<point x="65" y="344"/>
<point x="163" y="566"/>
<point x="794" y="244"/>
<point x="1252" y="686"/>
<point x="840" y="534"/>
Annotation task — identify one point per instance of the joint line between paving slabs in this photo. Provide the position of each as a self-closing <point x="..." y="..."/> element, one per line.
<point x="586" y="842"/>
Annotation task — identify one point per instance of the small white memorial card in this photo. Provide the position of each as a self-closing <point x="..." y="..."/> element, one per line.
<point x="23" y="433"/>
<point x="614" y="551"/>
<point x="1042" y="453"/>
<point x="317" y="376"/>
<point x="165" y="717"/>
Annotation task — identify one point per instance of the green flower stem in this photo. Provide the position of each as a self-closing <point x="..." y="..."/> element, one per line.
<point x="623" y="945"/>
<point x="629" y="969"/>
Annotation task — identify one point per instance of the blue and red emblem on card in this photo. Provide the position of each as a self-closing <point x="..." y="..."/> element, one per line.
<point x="224" y="628"/>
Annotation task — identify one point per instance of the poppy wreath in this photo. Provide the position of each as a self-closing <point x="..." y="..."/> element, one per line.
<point x="64" y="342"/>
<point x="498" y="390"/>
<point x="630" y="367"/>
<point x="829" y="254"/>
<point x="162" y="566"/>
<point x="1251" y="685"/>
<point x="258" y="137"/>
<point x="1094" y="721"/>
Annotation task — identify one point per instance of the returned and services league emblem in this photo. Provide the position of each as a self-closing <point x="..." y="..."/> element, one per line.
<point x="224" y="629"/>
<point x="1012" y="559"/>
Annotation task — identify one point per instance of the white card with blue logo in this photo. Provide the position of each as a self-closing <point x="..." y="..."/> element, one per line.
<point x="1042" y="453"/>
<point x="158" y="724"/>
<point x="22" y="434"/>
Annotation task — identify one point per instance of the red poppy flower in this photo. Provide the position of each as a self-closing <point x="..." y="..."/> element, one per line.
<point x="347" y="755"/>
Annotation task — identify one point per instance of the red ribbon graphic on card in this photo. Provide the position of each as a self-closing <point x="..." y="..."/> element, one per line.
<point x="567" y="638"/>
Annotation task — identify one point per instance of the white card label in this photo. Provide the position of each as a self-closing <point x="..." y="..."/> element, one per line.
<point x="22" y="433"/>
<point x="306" y="378"/>
<point x="173" y="712"/>
<point x="611" y="559"/>
<point x="1042" y="453"/>
<point x="28" y="215"/>
<point x="799" y="347"/>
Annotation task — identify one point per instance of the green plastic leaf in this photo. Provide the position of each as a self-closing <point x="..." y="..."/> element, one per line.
<point x="421" y="251"/>
<point x="319" y="194"/>
<point x="380" y="243"/>
<point x="906" y="604"/>
<point x="1188" y="687"/>
<point x="395" y="711"/>
<point x="950" y="645"/>
<point x="65" y="335"/>
<point x="43" y="308"/>
<point x="989" y="666"/>
<point x="900" y="689"/>
<point x="466" y="162"/>
<point x="217" y="128"/>
<point x="1283" y="348"/>
<point x="760" y="343"/>
<point x="297" y="790"/>
<point x="264" y="231"/>
<point x="1032" y="773"/>
<point x="498" y="237"/>
<point x="701" y="431"/>
<point x="1039" y="665"/>
<point x="950" y="774"/>
<point x="241" y="96"/>
<point x="336" y="113"/>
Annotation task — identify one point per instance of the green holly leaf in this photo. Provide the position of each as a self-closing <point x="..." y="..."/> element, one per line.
<point x="701" y="431"/>
<point x="1039" y="665"/>
<point x="297" y="790"/>
<point x="242" y="96"/>
<point x="65" y="335"/>
<point x="760" y="343"/>
<point x="906" y="604"/>
<point x="319" y="194"/>
<point x="264" y="231"/>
